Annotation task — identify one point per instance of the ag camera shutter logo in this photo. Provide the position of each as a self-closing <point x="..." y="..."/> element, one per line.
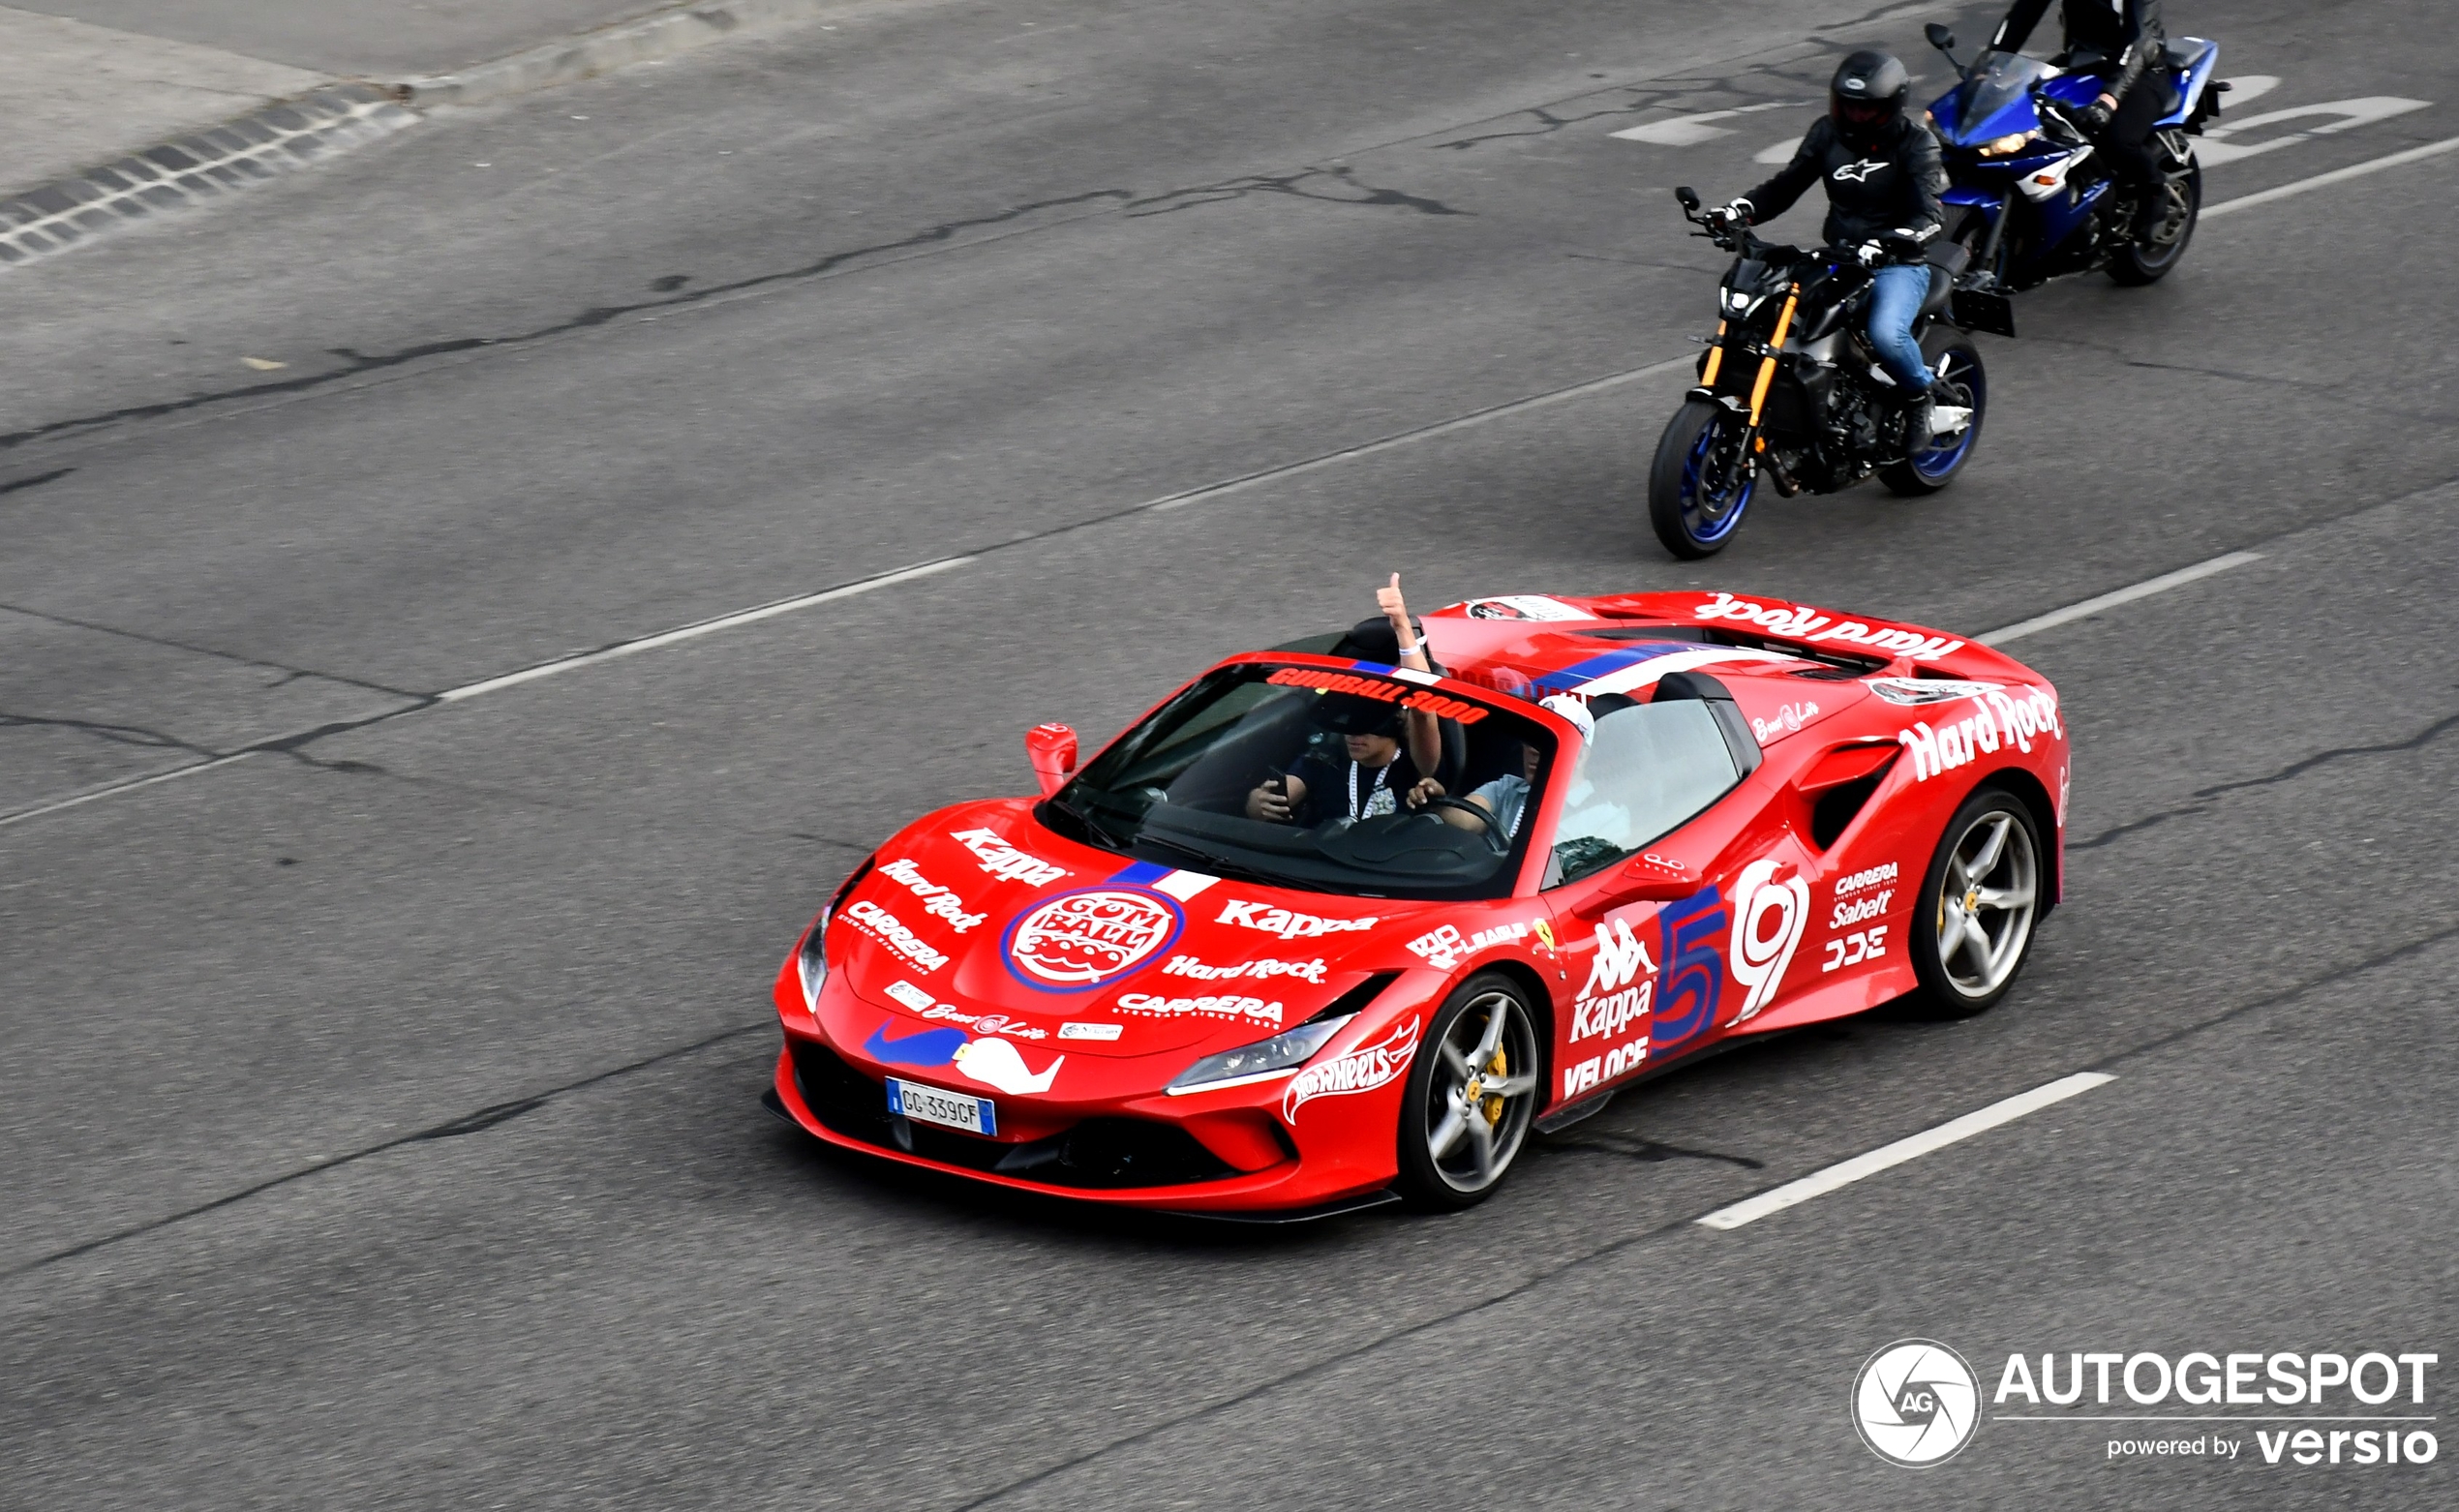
<point x="1916" y="1403"/>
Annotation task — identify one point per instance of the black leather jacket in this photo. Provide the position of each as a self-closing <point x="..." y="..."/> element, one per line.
<point x="1893" y="187"/>
<point x="2125" y="34"/>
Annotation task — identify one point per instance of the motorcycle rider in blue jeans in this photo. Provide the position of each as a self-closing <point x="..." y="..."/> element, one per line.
<point x="1883" y="177"/>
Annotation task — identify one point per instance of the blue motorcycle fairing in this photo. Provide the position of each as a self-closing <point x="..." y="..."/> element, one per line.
<point x="2202" y="60"/>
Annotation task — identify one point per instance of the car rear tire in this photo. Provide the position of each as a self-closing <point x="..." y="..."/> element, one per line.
<point x="1472" y="1094"/>
<point x="1973" y="920"/>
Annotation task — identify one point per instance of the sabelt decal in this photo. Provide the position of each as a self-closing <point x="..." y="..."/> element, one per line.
<point x="1361" y="1070"/>
<point x="1221" y="1005"/>
<point x="1843" y="916"/>
<point x="1079" y="940"/>
<point x="937" y="901"/>
<point x="1445" y="946"/>
<point x="1769" y="916"/>
<point x="1285" y="923"/>
<point x="1308" y="972"/>
<point x="885" y="928"/>
<point x="995" y="856"/>
<point x="1793" y="622"/>
<point x="1997" y="718"/>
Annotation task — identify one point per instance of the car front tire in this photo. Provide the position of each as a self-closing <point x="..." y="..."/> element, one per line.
<point x="1472" y="1094"/>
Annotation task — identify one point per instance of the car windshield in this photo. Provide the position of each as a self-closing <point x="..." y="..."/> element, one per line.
<point x="1287" y="775"/>
<point x="1645" y="772"/>
<point x="1998" y="80"/>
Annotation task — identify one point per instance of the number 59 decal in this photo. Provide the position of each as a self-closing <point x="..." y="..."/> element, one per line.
<point x="1860" y="946"/>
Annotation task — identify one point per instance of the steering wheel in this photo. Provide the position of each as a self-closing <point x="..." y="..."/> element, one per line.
<point x="1491" y="831"/>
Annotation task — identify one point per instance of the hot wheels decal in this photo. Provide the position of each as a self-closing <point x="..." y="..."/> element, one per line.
<point x="1077" y="941"/>
<point x="1769" y="915"/>
<point x="1361" y="1070"/>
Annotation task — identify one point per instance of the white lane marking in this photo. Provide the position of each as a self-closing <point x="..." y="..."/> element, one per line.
<point x="2219" y="143"/>
<point x="1780" y="153"/>
<point x="2110" y="600"/>
<point x="114" y="789"/>
<point x="1684" y="131"/>
<point x="2247" y="88"/>
<point x="1422" y="433"/>
<point x="1846" y="1172"/>
<point x="2336" y="175"/>
<point x="692" y="632"/>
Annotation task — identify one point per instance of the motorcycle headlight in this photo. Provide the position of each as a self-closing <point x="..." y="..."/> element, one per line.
<point x="810" y="963"/>
<point x="1278" y="1056"/>
<point x="2008" y="146"/>
<point x="1736" y="302"/>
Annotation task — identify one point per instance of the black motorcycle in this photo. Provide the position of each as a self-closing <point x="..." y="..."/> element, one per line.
<point x="1790" y="385"/>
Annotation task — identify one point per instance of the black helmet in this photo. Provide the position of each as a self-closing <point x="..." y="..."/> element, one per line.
<point x="1865" y="96"/>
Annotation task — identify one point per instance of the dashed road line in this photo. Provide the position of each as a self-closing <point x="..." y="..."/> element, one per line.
<point x="2116" y="597"/>
<point x="2335" y="176"/>
<point x="1887" y="1155"/>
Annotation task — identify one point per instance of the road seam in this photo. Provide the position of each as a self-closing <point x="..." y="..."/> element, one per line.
<point x="2324" y="180"/>
<point x="648" y="39"/>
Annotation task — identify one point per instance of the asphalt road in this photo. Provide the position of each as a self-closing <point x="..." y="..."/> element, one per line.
<point x="380" y="1109"/>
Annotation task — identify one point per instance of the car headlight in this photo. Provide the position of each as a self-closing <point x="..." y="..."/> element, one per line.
<point x="2007" y="146"/>
<point x="1278" y="1056"/>
<point x="810" y="963"/>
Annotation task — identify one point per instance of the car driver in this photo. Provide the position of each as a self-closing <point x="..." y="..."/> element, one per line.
<point x="1376" y="777"/>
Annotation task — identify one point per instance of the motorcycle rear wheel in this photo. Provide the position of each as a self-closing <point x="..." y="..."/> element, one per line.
<point x="2138" y="262"/>
<point x="1694" y="499"/>
<point x="1955" y="360"/>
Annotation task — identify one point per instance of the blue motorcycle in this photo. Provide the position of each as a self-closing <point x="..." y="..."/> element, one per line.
<point x="2028" y="198"/>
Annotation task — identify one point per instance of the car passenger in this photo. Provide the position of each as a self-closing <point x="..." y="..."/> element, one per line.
<point x="1506" y="797"/>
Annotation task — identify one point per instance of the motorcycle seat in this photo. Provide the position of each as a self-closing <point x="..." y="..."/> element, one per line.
<point x="1946" y="261"/>
<point x="2183" y="57"/>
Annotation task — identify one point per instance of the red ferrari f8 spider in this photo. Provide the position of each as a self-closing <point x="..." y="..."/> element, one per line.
<point x="1319" y="931"/>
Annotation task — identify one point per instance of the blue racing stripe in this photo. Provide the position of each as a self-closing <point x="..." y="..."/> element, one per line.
<point x="1595" y="667"/>
<point x="1140" y="874"/>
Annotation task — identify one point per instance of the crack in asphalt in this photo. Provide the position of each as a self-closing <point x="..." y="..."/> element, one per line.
<point x="289" y="673"/>
<point x="1548" y="122"/>
<point x="1292" y="185"/>
<point x="2293" y="770"/>
<point x="135" y="735"/>
<point x="36" y="481"/>
<point x="2336" y="391"/>
<point x="451" y="1129"/>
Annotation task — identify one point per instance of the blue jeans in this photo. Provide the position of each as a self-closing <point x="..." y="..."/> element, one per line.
<point x="1896" y="293"/>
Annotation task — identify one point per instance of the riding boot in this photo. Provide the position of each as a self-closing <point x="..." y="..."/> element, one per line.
<point x="1920" y="413"/>
<point x="2151" y="211"/>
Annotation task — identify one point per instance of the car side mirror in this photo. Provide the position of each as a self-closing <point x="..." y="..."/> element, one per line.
<point x="1051" y="748"/>
<point x="1650" y="878"/>
<point x="1939" y="37"/>
<point x="1689" y="197"/>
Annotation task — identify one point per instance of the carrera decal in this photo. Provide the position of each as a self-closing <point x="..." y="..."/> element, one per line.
<point x="1078" y="941"/>
<point x="1995" y="720"/>
<point x="1794" y="623"/>
<point x="1361" y="1070"/>
<point x="995" y="856"/>
<point x="1769" y="915"/>
<point x="1867" y="877"/>
<point x="1223" y="1005"/>
<point x="889" y="930"/>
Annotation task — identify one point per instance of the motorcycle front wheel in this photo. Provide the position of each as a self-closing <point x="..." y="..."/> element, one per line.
<point x="2148" y="262"/>
<point x="1956" y="360"/>
<point x="1702" y="481"/>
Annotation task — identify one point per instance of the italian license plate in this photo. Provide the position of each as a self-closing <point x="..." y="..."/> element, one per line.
<point x="947" y="1109"/>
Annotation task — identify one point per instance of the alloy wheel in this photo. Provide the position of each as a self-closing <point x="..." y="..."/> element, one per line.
<point x="1987" y="898"/>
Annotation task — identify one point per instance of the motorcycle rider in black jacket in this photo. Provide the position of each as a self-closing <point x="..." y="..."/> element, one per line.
<point x="2121" y="41"/>
<point x="1883" y="177"/>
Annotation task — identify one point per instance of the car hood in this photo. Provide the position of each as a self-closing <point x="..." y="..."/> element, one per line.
<point x="979" y="919"/>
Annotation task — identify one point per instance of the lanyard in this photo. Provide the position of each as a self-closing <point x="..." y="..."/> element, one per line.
<point x="1383" y="774"/>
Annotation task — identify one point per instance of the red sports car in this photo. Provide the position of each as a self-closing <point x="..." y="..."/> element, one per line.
<point x="1319" y="931"/>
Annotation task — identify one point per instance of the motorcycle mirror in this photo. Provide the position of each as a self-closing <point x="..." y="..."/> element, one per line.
<point x="1689" y="197"/>
<point x="1051" y="748"/>
<point x="1939" y="37"/>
